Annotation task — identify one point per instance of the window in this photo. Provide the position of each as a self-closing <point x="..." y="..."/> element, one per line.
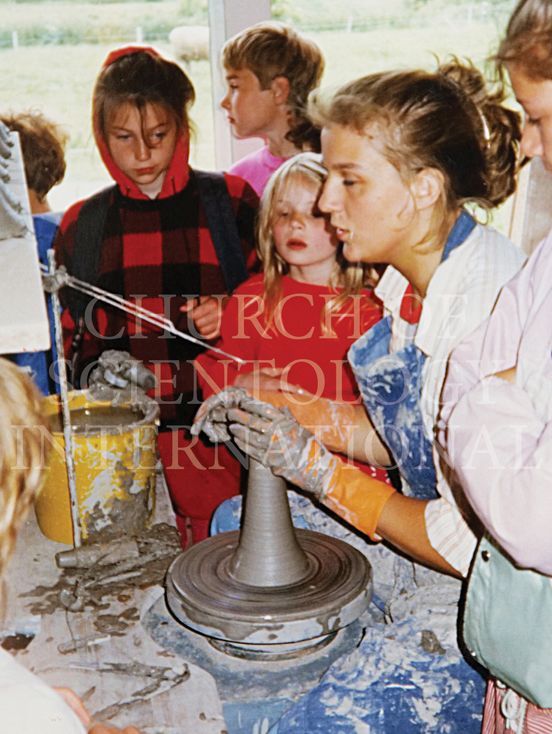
<point x="52" y="65"/>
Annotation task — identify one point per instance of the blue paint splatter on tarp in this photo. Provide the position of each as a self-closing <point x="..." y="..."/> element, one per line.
<point x="408" y="675"/>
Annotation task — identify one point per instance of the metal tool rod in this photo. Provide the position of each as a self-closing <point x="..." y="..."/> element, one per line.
<point x="140" y="312"/>
<point x="66" y="413"/>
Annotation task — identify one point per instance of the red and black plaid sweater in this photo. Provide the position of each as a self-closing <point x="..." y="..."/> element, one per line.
<point x="157" y="252"/>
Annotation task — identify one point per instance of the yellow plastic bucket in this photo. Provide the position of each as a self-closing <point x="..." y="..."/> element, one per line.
<point x="115" y="452"/>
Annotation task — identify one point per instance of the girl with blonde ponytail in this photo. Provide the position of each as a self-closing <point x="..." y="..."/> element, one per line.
<point x="293" y="324"/>
<point x="22" y="453"/>
<point x="406" y="152"/>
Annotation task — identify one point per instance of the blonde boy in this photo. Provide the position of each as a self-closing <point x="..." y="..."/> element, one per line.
<point x="270" y="70"/>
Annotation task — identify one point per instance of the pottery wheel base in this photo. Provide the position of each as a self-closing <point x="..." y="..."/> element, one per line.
<point x="281" y="651"/>
<point x="262" y="620"/>
<point x="245" y="679"/>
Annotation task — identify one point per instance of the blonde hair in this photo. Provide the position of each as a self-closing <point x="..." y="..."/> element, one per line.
<point x="22" y="431"/>
<point x="446" y="120"/>
<point x="272" y="49"/>
<point x="347" y="278"/>
<point x="528" y="39"/>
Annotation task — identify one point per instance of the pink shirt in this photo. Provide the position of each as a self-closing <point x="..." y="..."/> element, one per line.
<point x="499" y="434"/>
<point x="256" y="168"/>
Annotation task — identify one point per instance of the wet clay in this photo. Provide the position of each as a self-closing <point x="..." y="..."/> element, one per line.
<point x="96" y="587"/>
<point x="269" y="584"/>
<point x="108" y="521"/>
<point x="16" y="642"/>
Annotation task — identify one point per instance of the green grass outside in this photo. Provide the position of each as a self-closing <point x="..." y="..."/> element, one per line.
<point x="58" y="79"/>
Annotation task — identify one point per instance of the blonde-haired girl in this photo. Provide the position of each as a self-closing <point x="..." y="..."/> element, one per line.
<point x="346" y="279"/>
<point x="293" y="324"/>
<point x="22" y="432"/>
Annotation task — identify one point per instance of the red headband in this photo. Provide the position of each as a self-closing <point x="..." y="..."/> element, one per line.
<point x="118" y="53"/>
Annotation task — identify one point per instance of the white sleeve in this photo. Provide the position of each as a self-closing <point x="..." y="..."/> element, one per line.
<point x="501" y="452"/>
<point x="36" y="709"/>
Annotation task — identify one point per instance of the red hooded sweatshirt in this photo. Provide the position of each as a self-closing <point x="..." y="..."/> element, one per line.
<point x="156" y="252"/>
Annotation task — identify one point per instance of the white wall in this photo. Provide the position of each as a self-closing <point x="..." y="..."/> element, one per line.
<point x="226" y="18"/>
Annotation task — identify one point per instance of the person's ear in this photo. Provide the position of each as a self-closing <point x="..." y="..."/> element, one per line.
<point x="427" y="187"/>
<point x="280" y="89"/>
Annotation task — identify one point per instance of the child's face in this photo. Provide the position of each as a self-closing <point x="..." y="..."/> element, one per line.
<point x="143" y="151"/>
<point x="251" y="111"/>
<point x="370" y="205"/>
<point x="535" y="96"/>
<point x="302" y="235"/>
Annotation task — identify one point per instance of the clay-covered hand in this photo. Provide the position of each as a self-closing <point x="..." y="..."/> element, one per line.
<point x="212" y="416"/>
<point x="273" y="437"/>
<point x="116" y="368"/>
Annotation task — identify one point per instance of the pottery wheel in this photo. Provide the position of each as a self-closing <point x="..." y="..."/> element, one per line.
<point x="268" y="587"/>
<point x="203" y="595"/>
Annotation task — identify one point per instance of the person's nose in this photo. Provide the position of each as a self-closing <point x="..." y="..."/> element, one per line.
<point x="141" y="150"/>
<point x="225" y="101"/>
<point x="328" y="201"/>
<point x="531" y="141"/>
<point x="297" y="220"/>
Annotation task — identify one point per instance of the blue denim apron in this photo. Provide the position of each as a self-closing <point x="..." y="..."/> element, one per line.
<point x="391" y="386"/>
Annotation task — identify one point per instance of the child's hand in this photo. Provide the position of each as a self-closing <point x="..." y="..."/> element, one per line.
<point x="74" y="702"/>
<point x="269" y="378"/>
<point x="206" y="313"/>
<point x="211" y="418"/>
<point x="92" y="727"/>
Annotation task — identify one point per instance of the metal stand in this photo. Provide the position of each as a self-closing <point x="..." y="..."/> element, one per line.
<point x="65" y="410"/>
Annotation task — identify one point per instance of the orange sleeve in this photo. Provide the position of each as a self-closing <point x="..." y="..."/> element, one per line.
<point x="356" y="497"/>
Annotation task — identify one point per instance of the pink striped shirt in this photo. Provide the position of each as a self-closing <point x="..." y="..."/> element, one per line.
<point x="507" y="713"/>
